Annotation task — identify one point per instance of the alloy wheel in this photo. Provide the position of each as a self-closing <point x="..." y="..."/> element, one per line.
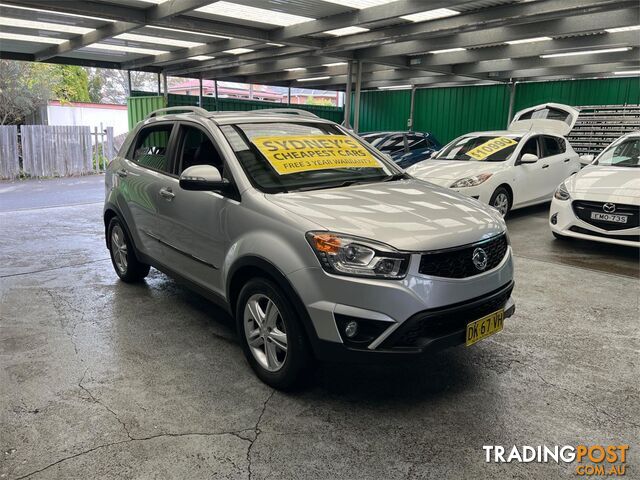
<point x="265" y="332"/>
<point x="119" y="249"/>
<point x="501" y="203"/>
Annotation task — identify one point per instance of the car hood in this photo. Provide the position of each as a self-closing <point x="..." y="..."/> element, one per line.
<point x="614" y="184"/>
<point x="409" y="214"/>
<point x="445" y="172"/>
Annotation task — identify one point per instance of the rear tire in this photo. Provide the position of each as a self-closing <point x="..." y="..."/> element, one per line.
<point x="501" y="200"/>
<point x="123" y="255"/>
<point x="271" y="335"/>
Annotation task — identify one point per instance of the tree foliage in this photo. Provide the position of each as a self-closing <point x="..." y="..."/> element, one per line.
<point x="72" y="83"/>
<point x="23" y="88"/>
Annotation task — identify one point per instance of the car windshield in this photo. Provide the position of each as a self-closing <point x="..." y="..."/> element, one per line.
<point x="287" y="156"/>
<point x="481" y="148"/>
<point x="624" y="154"/>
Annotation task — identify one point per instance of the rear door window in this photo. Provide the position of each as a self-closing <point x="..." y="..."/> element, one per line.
<point x="552" y="146"/>
<point x="151" y="147"/>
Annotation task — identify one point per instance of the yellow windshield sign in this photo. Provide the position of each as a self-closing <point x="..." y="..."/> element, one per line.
<point x="304" y="153"/>
<point x="489" y="148"/>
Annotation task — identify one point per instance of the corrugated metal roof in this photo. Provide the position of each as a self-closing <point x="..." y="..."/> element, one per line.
<point x="124" y="49"/>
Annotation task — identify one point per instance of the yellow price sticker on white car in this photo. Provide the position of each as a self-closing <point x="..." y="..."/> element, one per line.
<point x="304" y="153"/>
<point x="489" y="148"/>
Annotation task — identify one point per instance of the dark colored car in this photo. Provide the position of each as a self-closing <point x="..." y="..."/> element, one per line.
<point x="405" y="148"/>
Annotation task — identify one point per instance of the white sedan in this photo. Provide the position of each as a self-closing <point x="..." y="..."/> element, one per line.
<point x="508" y="169"/>
<point x="602" y="202"/>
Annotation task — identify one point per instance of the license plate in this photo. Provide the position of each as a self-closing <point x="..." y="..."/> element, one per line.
<point x="484" y="327"/>
<point x="609" y="217"/>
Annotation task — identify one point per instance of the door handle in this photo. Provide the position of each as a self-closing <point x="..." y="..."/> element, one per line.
<point x="566" y="160"/>
<point x="545" y="166"/>
<point x="121" y="173"/>
<point x="167" y="194"/>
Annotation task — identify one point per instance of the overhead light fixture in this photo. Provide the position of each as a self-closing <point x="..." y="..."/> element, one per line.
<point x="622" y="29"/>
<point x="340" y="32"/>
<point x="31" y="38"/>
<point x="447" y="50"/>
<point x="395" y="87"/>
<point x="431" y="15"/>
<point x="294" y="69"/>
<point x="189" y="32"/>
<point x="41" y="10"/>
<point x="252" y="14"/>
<point x="334" y="64"/>
<point x="585" y="52"/>
<point x="201" y="58"/>
<point x="238" y="51"/>
<point x="312" y="79"/>
<point x="360" y="4"/>
<point x="157" y="40"/>
<point x="53" y="27"/>
<point x="529" y="40"/>
<point x="627" y="72"/>
<point x="121" y="48"/>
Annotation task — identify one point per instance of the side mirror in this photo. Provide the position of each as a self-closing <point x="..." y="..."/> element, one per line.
<point x="203" y="178"/>
<point x="528" y="158"/>
<point x="433" y="154"/>
<point x="586" y="159"/>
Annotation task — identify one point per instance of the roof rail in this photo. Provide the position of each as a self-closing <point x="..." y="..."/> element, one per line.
<point x="288" y="111"/>
<point x="196" y="110"/>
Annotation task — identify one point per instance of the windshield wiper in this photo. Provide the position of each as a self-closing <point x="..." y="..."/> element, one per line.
<point x="395" y="177"/>
<point x="346" y="183"/>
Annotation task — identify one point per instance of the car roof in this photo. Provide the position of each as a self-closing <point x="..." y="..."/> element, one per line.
<point x="233" y="117"/>
<point x="497" y="133"/>
<point x="635" y="133"/>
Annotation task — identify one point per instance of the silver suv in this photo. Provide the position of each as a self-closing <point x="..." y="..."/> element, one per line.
<point x="317" y="244"/>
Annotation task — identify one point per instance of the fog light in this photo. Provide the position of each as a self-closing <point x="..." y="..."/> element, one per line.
<point x="554" y="219"/>
<point x="351" y="329"/>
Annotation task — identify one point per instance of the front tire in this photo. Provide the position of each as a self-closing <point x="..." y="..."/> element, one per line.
<point x="271" y="334"/>
<point x="123" y="255"/>
<point x="501" y="200"/>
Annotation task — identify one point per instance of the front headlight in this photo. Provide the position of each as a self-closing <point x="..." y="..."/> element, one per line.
<point x="562" y="193"/>
<point x="472" y="181"/>
<point x="346" y="255"/>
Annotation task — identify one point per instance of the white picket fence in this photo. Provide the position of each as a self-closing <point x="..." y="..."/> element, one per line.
<point x="54" y="151"/>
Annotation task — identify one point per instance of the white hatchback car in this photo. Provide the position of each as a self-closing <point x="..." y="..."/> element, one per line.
<point x="508" y="169"/>
<point x="602" y="202"/>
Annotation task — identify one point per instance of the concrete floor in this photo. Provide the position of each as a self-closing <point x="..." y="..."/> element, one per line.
<point x="105" y="380"/>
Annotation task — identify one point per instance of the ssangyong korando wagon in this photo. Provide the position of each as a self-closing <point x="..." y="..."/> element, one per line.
<point x="319" y="246"/>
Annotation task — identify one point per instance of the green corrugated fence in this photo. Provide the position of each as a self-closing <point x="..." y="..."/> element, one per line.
<point x="138" y="107"/>
<point x="446" y="112"/>
<point x="605" y="91"/>
<point x="453" y="111"/>
<point x="384" y="110"/>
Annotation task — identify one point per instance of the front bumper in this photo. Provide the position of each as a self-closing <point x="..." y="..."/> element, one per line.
<point x="563" y="221"/>
<point x="480" y="192"/>
<point x="417" y="314"/>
